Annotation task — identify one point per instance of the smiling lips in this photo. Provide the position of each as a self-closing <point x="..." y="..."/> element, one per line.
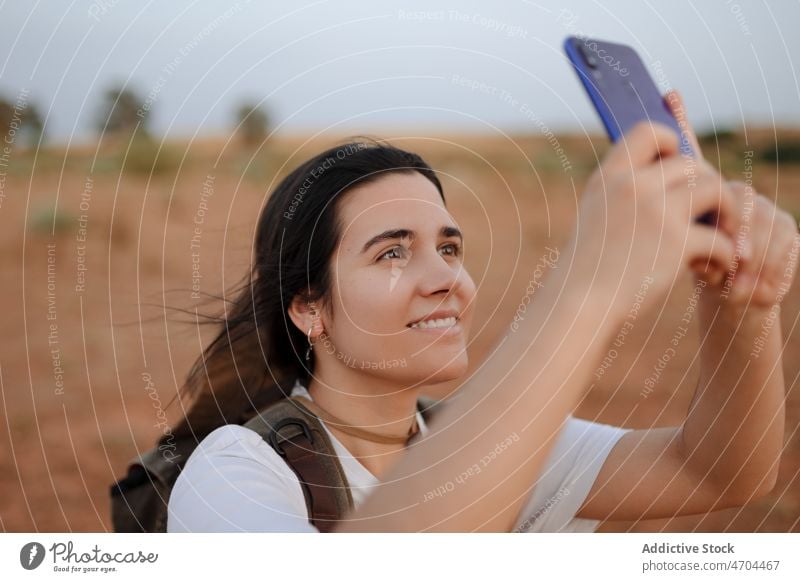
<point x="440" y="317"/>
<point x="442" y="323"/>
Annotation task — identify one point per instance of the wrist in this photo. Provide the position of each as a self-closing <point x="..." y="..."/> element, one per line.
<point x="713" y="302"/>
<point x="736" y="317"/>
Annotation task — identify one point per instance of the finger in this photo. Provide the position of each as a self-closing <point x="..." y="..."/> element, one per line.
<point x="713" y="268"/>
<point x="792" y="259"/>
<point x="730" y="214"/>
<point x="711" y="194"/>
<point x="747" y="239"/>
<point x="750" y="274"/>
<point x="709" y="250"/>
<point x="709" y="271"/>
<point x="674" y="171"/>
<point x="701" y="183"/>
<point x="777" y="269"/>
<point x="674" y="102"/>
<point x="642" y="145"/>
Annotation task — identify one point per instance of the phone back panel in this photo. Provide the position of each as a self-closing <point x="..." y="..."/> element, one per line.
<point x="621" y="89"/>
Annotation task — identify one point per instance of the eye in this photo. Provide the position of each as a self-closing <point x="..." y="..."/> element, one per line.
<point x="398" y="248"/>
<point x="456" y="247"/>
<point x="399" y="251"/>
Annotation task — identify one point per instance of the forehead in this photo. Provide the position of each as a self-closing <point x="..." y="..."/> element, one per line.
<point x="396" y="200"/>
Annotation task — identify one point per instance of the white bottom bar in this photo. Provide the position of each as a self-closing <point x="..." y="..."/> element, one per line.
<point x="401" y="557"/>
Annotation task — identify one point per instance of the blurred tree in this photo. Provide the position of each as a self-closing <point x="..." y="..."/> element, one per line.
<point x="123" y="112"/>
<point x="21" y="119"/>
<point x="34" y="124"/>
<point x="124" y="121"/>
<point x="785" y="152"/>
<point x="6" y="115"/>
<point x="721" y="136"/>
<point x="252" y="124"/>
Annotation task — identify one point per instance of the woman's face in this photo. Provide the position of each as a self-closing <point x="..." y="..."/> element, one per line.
<point x="384" y="281"/>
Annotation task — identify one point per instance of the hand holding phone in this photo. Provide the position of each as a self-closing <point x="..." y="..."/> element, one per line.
<point x="624" y="93"/>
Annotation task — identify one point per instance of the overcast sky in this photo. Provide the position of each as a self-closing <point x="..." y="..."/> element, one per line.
<point x="371" y="66"/>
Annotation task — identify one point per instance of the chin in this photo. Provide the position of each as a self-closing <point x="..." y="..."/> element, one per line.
<point x="437" y="374"/>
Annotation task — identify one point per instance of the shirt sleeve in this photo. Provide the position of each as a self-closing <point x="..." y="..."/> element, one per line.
<point x="575" y="460"/>
<point x="235" y="482"/>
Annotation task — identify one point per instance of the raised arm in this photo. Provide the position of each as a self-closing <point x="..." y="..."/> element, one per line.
<point x="733" y="434"/>
<point x="727" y="451"/>
<point x="631" y="225"/>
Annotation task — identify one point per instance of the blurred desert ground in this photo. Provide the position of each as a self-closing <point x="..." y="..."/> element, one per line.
<point x="61" y="449"/>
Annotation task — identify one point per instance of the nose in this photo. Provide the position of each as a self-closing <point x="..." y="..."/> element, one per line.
<point x="438" y="274"/>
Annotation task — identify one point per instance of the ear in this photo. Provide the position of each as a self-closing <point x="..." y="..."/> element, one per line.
<point x="306" y="315"/>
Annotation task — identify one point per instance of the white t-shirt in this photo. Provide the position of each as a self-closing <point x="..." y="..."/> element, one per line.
<point x="234" y="481"/>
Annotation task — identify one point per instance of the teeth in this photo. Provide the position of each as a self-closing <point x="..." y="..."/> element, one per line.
<point x="432" y="323"/>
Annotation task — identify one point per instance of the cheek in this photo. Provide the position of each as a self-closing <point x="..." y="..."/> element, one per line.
<point x="468" y="285"/>
<point x="468" y="295"/>
<point x="371" y="304"/>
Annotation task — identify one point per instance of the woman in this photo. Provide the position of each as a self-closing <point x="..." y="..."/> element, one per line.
<point x="355" y="248"/>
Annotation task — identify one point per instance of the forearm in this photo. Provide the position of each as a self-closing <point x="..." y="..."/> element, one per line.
<point x="520" y="396"/>
<point x="734" y="430"/>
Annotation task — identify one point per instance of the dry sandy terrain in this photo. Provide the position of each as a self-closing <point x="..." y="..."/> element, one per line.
<point x="85" y="340"/>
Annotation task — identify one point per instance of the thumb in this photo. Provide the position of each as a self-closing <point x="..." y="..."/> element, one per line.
<point x="675" y="105"/>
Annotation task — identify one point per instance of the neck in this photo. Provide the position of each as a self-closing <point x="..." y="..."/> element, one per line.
<point x="368" y="402"/>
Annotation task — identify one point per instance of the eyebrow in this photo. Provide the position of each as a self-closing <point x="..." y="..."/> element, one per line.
<point x="400" y="233"/>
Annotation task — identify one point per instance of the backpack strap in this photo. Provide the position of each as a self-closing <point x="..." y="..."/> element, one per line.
<point x="295" y="433"/>
<point x="300" y="438"/>
<point x="139" y="501"/>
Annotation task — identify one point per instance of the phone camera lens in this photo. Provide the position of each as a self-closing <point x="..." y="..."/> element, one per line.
<point x="590" y="59"/>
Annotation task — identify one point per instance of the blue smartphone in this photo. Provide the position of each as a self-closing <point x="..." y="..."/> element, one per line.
<point x="621" y="90"/>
